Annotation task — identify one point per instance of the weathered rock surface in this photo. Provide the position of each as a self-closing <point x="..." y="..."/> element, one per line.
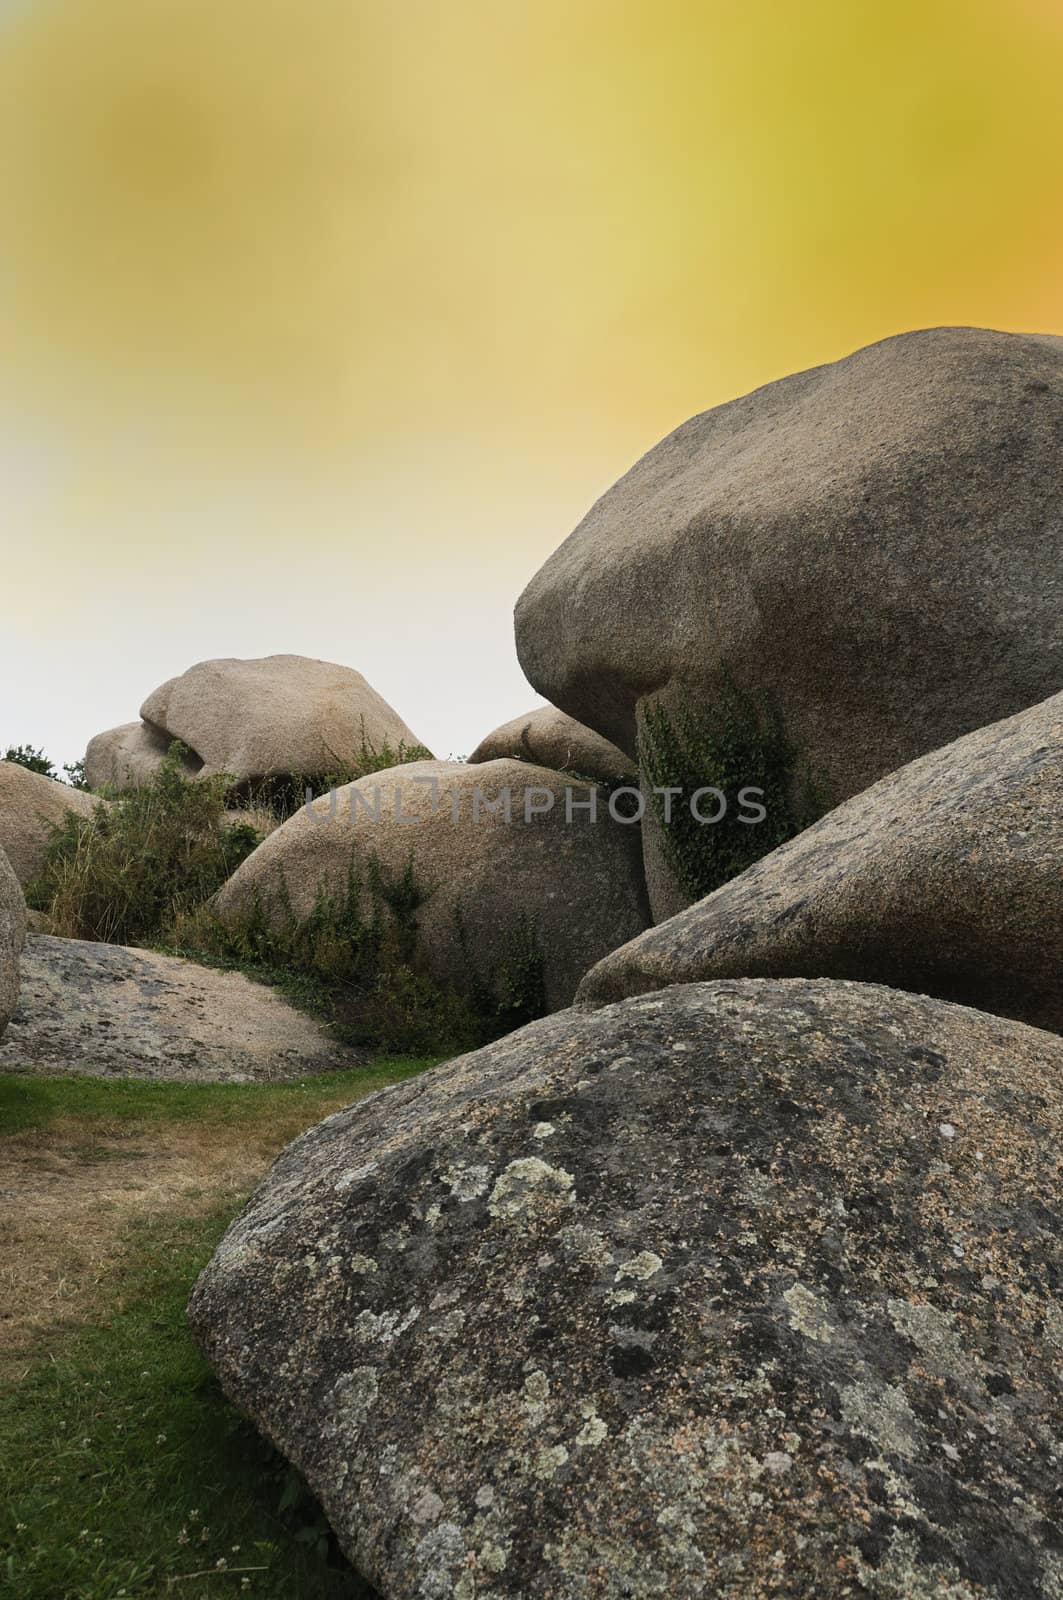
<point x="572" y="888"/>
<point x="875" y="547"/>
<point x="548" y="738"/>
<point x="124" y="758"/>
<point x="110" y="1011"/>
<point x="743" y="1289"/>
<point x="32" y="807"/>
<point x="945" y="878"/>
<point x="12" y="938"/>
<point x="275" y="716"/>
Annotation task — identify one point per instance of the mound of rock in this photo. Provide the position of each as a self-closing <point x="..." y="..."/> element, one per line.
<point x="124" y="758"/>
<point x="871" y="551"/>
<point x="32" y="807"/>
<point x="510" y="865"/>
<point x="12" y="938"/>
<point x="109" y="1011"/>
<point x="276" y="716"/>
<point x="945" y="878"/>
<point x="742" y="1289"/>
<point x="547" y="738"/>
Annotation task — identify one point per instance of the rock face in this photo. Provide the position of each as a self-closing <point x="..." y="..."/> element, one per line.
<point x="109" y="1011"/>
<point x="276" y="716"/>
<point x="124" y="758"/>
<point x="31" y="808"/>
<point x="548" y="738"/>
<point x="12" y="938"/>
<point x="945" y="878"/>
<point x="571" y="889"/>
<point x="874" y="549"/>
<point x="743" y="1289"/>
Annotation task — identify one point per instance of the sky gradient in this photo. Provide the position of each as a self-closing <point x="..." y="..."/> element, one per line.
<point x="322" y="322"/>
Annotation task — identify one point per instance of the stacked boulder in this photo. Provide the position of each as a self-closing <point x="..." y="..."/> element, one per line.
<point x="946" y="877"/>
<point x="865" y="559"/>
<point x="511" y="863"/>
<point x="547" y="738"/>
<point x="279" y="716"/>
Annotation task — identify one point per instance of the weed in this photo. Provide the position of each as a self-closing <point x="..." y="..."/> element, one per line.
<point x="126" y="871"/>
<point x="739" y="743"/>
<point x="351" y="962"/>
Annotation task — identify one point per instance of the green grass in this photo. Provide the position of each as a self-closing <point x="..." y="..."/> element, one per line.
<point x="30" y="1102"/>
<point x="122" y="1467"/>
<point x="123" y="1470"/>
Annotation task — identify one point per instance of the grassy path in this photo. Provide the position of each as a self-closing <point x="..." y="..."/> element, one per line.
<point x="123" y="1472"/>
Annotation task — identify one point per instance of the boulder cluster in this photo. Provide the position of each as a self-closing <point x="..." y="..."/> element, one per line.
<point x="738" y="1272"/>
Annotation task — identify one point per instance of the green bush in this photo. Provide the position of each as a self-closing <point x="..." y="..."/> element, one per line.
<point x="124" y="873"/>
<point x="24" y="755"/>
<point x="740" y="743"/>
<point x="143" y="867"/>
<point x="350" y="963"/>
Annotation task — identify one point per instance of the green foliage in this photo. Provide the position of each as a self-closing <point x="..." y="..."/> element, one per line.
<point x="75" y="774"/>
<point x="124" y="1471"/>
<point x="125" y="872"/>
<point x="24" y="755"/>
<point x="143" y="867"/>
<point x="740" y="743"/>
<point x="515" y="992"/>
<point x="31" y="1102"/>
<point x="350" y="963"/>
<point x="283" y="796"/>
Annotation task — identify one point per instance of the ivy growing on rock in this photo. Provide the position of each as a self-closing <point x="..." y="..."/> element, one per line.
<point x="737" y="741"/>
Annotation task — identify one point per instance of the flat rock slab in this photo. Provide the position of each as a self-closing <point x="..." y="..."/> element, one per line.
<point x="109" y="1011"/>
<point x="738" y="1290"/>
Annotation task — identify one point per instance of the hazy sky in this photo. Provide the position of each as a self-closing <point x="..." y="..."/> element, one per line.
<point x="322" y="322"/>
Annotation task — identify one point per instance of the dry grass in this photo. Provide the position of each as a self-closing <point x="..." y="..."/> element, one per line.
<point x="69" y="1190"/>
<point x="68" y="1200"/>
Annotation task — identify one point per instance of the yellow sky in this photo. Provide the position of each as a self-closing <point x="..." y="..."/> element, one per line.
<point x="322" y="321"/>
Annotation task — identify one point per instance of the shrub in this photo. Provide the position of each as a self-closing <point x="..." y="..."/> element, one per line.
<point x="125" y="872"/>
<point x="283" y="795"/>
<point x="350" y="962"/>
<point x="144" y="866"/>
<point x="24" y="755"/>
<point x="741" y="743"/>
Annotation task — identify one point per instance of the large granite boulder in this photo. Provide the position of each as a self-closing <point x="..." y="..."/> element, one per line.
<point x="870" y="552"/>
<point x="32" y="807"/>
<point x="275" y="717"/>
<point x="945" y="877"/>
<point x="745" y="1289"/>
<point x="112" y="1012"/>
<point x="126" y="757"/>
<point x="12" y="938"/>
<point x="547" y="738"/>
<point x="543" y="881"/>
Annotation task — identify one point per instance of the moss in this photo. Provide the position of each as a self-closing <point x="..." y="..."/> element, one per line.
<point x="738" y="742"/>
